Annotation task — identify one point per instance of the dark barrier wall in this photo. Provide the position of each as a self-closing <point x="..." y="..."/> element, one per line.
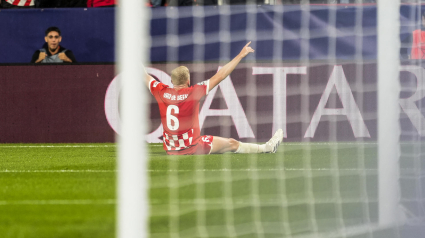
<point x="276" y="32"/>
<point x="66" y="103"/>
<point x="54" y="103"/>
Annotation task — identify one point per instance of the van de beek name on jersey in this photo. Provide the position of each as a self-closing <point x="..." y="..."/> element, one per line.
<point x="173" y="97"/>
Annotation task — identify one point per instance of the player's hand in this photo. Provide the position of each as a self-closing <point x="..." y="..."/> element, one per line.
<point x="246" y="50"/>
<point x="63" y="57"/>
<point x="41" y="56"/>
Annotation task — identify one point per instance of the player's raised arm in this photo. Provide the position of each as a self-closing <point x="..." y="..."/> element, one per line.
<point x="229" y="67"/>
<point x="147" y="76"/>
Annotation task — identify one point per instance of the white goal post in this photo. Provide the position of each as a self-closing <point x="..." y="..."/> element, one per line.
<point x="388" y="111"/>
<point x="131" y="33"/>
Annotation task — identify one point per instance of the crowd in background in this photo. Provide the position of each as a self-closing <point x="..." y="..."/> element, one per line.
<point x="156" y="3"/>
<point x="56" y="3"/>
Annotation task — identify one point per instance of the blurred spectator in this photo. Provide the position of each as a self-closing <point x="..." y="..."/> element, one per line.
<point x="239" y="2"/>
<point x="412" y="1"/>
<point x="415" y="42"/>
<point x="326" y="1"/>
<point x="52" y="51"/>
<point x="60" y="3"/>
<point x="157" y="3"/>
<point x="101" y="3"/>
<point x="191" y="2"/>
<point x="357" y="1"/>
<point x="17" y="3"/>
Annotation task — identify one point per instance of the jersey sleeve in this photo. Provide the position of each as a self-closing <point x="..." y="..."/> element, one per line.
<point x="202" y="88"/>
<point x="155" y="86"/>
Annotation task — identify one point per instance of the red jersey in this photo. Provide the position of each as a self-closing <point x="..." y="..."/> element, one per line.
<point x="418" y="45"/>
<point x="179" y="111"/>
<point x="21" y="3"/>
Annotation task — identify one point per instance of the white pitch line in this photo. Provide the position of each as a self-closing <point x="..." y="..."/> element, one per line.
<point x="58" y="171"/>
<point x="57" y="202"/>
<point x="60" y="146"/>
<point x="250" y="170"/>
<point x="183" y="170"/>
<point x="327" y="143"/>
<point x="100" y="146"/>
<point x="55" y="146"/>
<point x="264" y="201"/>
<point x="156" y="145"/>
<point x="156" y="201"/>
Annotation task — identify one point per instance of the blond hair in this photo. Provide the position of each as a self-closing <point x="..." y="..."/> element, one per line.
<point x="180" y="75"/>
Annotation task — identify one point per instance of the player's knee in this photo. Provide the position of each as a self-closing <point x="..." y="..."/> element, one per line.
<point x="234" y="144"/>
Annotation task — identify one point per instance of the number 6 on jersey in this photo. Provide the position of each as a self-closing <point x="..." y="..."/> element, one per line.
<point x="171" y="118"/>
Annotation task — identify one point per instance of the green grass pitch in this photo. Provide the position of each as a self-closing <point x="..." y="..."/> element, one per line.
<point x="68" y="190"/>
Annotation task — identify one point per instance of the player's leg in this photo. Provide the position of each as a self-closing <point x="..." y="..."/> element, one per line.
<point x="222" y="145"/>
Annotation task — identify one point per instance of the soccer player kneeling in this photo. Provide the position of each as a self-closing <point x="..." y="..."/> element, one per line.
<point x="179" y="109"/>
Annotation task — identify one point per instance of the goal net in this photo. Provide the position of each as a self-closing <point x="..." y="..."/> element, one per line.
<point x="335" y="79"/>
